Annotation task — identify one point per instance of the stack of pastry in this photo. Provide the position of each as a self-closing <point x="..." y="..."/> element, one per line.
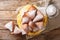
<point x="31" y="20"/>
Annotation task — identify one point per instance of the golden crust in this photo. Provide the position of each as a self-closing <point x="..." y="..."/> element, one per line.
<point x="19" y="20"/>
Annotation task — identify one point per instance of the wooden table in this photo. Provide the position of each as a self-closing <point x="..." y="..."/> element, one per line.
<point x="8" y="13"/>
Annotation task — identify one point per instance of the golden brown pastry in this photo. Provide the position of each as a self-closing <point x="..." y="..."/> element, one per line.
<point x="32" y="19"/>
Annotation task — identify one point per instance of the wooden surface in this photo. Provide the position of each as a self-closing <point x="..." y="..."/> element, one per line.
<point x="7" y="13"/>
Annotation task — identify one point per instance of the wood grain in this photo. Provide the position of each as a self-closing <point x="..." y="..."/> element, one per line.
<point x="9" y="5"/>
<point x="53" y="34"/>
<point x="13" y="4"/>
<point x="7" y="13"/>
<point x="5" y="35"/>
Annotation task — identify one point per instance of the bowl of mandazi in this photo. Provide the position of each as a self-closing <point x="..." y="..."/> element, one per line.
<point x="31" y="20"/>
